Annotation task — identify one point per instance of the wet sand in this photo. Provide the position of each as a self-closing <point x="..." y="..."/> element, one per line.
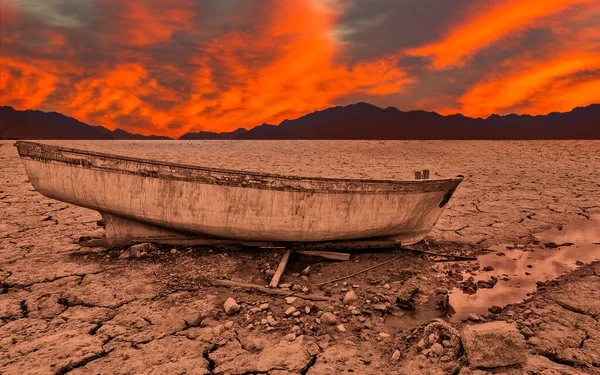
<point x="66" y="309"/>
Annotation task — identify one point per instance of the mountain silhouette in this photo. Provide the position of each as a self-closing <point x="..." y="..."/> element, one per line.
<point x="355" y="121"/>
<point x="33" y="124"/>
<point x="366" y="121"/>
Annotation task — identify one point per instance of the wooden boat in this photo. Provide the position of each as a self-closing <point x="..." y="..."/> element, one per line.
<point x="143" y="199"/>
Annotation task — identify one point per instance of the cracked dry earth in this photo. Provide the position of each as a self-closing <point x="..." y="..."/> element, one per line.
<point x="66" y="309"/>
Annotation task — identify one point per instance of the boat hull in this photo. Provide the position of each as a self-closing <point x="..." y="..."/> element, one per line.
<point x="259" y="208"/>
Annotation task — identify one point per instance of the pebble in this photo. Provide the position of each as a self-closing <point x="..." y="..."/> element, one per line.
<point x="290" y="300"/>
<point x="173" y="251"/>
<point x="272" y="321"/>
<point x="231" y="307"/>
<point x="328" y="318"/>
<point x="228" y="324"/>
<point x="384" y="335"/>
<point x="290" y="311"/>
<point x="296" y="314"/>
<point x="306" y="271"/>
<point x="379" y="306"/>
<point x="307" y="310"/>
<point x="341" y="328"/>
<point x="437" y="349"/>
<point x="350" y="298"/>
<point x="270" y="272"/>
<point x="255" y="310"/>
<point x="290" y="337"/>
<point x="474" y="317"/>
<point x="396" y="356"/>
<point x="495" y="309"/>
<point x="386" y="286"/>
<point x="264" y="306"/>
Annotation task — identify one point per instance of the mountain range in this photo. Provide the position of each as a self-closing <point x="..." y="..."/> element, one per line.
<point x="355" y="121"/>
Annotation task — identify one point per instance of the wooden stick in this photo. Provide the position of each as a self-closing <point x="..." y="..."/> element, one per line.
<point x="359" y="272"/>
<point x="280" y="269"/>
<point x="279" y="292"/>
<point x="325" y="254"/>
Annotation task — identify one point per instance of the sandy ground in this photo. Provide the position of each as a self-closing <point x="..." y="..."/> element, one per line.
<point x="67" y="309"/>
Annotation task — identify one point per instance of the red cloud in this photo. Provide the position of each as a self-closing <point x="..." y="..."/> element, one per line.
<point x="488" y="25"/>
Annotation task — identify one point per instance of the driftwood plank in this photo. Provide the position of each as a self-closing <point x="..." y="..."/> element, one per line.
<point x="280" y="269"/>
<point x="325" y="254"/>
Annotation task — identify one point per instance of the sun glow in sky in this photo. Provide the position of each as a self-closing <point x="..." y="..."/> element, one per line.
<point x="173" y="66"/>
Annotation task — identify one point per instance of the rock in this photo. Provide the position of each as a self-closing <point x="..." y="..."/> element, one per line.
<point x="173" y="251"/>
<point x="272" y="321"/>
<point x="341" y="328"/>
<point x="289" y="337"/>
<point x="379" y="306"/>
<point x="488" y="268"/>
<point x="136" y="250"/>
<point x="495" y="309"/>
<point x="264" y="306"/>
<point x="231" y="307"/>
<point x="290" y="300"/>
<point x="350" y="298"/>
<point x="290" y="311"/>
<point x="255" y="310"/>
<point x="396" y="356"/>
<point x="307" y="310"/>
<point x="482" y="344"/>
<point x="384" y="335"/>
<point x="228" y="324"/>
<point x="270" y="272"/>
<point x="305" y="271"/>
<point x="297" y="287"/>
<point x="328" y="318"/>
<point x="440" y="331"/>
<point x="437" y="349"/>
<point x="474" y="317"/>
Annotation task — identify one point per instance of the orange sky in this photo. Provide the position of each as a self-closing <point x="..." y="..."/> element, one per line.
<point x="168" y="67"/>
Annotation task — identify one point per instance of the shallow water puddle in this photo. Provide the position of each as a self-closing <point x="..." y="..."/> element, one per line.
<point x="519" y="270"/>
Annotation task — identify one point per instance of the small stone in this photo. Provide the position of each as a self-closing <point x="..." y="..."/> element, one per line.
<point x="230" y="306"/>
<point x="307" y="310"/>
<point x="474" y="317"/>
<point x="488" y="268"/>
<point x="445" y="358"/>
<point x="350" y="298"/>
<point x="384" y="335"/>
<point x="296" y="328"/>
<point x="264" y="321"/>
<point x="297" y="287"/>
<point x="228" y="324"/>
<point x="290" y="311"/>
<point x="250" y="326"/>
<point x="305" y="290"/>
<point x="379" y="306"/>
<point x="264" y="306"/>
<point x="579" y="263"/>
<point x="270" y="272"/>
<point x="290" y="300"/>
<point x="135" y="251"/>
<point x="396" y="356"/>
<point x="285" y="286"/>
<point x="386" y="286"/>
<point x="495" y="309"/>
<point x="173" y="251"/>
<point x="446" y="343"/>
<point x="328" y="318"/>
<point x="341" y="328"/>
<point x="289" y="337"/>
<point x="437" y="349"/>
<point x="304" y="278"/>
<point x="305" y="271"/>
<point x="355" y="312"/>
<point x="272" y="321"/>
<point x="255" y="310"/>
<point x="296" y="314"/>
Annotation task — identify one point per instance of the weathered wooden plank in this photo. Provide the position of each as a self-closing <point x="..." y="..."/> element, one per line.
<point x="280" y="269"/>
<point x="325" y="254"/>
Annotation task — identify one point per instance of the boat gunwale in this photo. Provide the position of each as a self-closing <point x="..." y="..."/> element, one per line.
<point x="455" y="180"/>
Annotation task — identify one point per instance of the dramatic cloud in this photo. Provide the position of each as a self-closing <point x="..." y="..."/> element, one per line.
<point x="168" y="67"/>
